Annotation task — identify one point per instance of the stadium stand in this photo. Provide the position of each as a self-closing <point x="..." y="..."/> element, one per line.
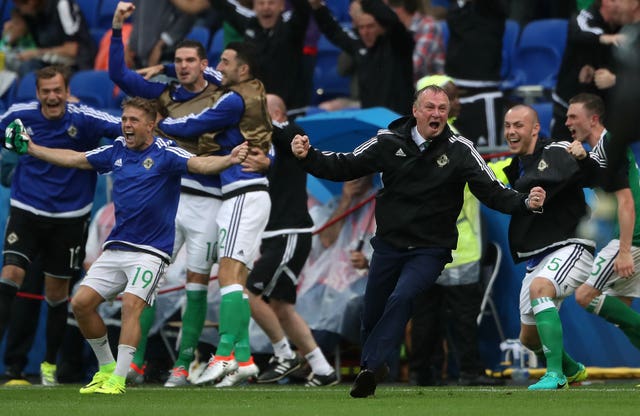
<point x="94" y="88"/>
<point x="538" y="54"/>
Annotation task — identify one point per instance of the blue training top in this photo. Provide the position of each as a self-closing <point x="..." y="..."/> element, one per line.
<point x="53" y="191"/>
<point x="146" y="190"/>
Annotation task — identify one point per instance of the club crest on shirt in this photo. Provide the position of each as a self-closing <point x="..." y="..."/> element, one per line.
<point x="542" y="165"/>
<point x="72" y="131"/>
<point x="442" y="161"/>
<point x="148" y="163"/>
<point x="12" y="238"/>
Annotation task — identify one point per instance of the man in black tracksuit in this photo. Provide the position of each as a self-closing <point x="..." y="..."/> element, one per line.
<point x="592" y="32"/>
<point x="474" y="59"/>
<point x="416" y="213"/>
<point x="382" y="52"/>
<point x="279" y="38"/>
<point x="558" y="258"/>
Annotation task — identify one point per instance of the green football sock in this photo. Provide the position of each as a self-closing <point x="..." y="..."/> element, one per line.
<point x="243" y="347"/>
<point x="617" y="312"/>
<point x="550" y="331"/>
<point x="147" y="318"/>
<point x="192" y="324"/>
<point x="569" y="365"/>
<point x="230" y="320"/>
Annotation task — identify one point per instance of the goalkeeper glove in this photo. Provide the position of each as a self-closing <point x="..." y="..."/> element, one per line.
<point x="16" y="137"/>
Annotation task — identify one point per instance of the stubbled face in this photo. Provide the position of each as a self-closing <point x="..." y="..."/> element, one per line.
<point x="520" y="130"/>
<point x="431" y="111"/>
<point x="137" y="128"/>
<point x="229" y="67"/>
<point x="368" y="29"/>
<point x="268" y="12"/>
<point x="579" y="122"/>
<point x="189" y="67"/>
<point x="53" y="95"/>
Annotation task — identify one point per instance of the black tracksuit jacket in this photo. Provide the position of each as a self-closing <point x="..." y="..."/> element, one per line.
<point x="562" y="177"/>
<point x="422" y="193"/>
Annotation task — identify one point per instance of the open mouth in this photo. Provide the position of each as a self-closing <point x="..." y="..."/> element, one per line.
<point x="513" y="140"/>
<point x="434" y="125"/>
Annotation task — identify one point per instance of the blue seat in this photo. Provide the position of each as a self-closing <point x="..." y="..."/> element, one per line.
<point x="105" y="13"/>
<point x="538" y="55"/>
<point x="216" y="47"/>
<point x="7" y="7"/>
<point x="200" y="34"/>
<point x="94" y="88"/>
<point x="327" y="82"/>
<point x="509" y="43"/>
<point x="26" y="88"/>
<point x="90" y="9"/>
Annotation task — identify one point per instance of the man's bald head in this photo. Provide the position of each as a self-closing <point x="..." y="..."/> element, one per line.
<point x="277" y="108"/>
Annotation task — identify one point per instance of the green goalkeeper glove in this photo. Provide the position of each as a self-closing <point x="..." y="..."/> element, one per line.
<point x="16" y="137"/>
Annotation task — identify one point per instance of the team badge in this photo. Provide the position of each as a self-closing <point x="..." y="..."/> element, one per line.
<point x="72" y="131"/>
<point x="12" y="238"/>
<point x="542" y="165"/>
<point x="148" y="163"/>
<point x="442" y="161"/>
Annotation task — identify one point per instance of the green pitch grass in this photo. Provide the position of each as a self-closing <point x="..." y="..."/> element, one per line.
<point x="617" y="398"/>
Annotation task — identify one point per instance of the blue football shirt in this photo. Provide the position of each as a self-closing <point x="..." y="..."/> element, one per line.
<point x="146" y="191"/>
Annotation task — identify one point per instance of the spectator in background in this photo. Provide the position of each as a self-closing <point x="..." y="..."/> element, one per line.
<point x="429" y="52"/>
<point x="60" y="33"/>
<point x="592" y="34"/>
<point x="15" y="39"/>
<point x="158" y="26"/>
<point x="382" y="52"/>
<point x="279" y="39"/>
<point x="474" y="58"/>
<point x="197" y="7"/>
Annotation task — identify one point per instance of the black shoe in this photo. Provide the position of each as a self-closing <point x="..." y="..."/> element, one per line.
<point x="364" y="384"/>
<point x="480" y="380"/>
<point x="279" y="368"/>
<point x="315" y="380"/>
<point x="13" y="377"/>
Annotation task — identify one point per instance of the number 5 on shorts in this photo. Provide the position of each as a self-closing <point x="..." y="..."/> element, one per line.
<point x="554" y="264"/>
